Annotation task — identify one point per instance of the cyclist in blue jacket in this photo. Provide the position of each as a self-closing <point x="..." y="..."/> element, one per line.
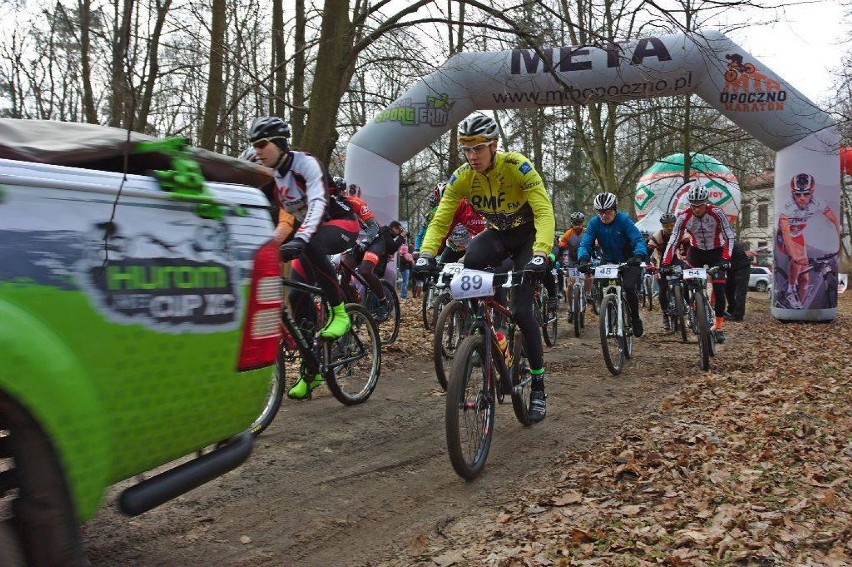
<point x="620" y="241"/>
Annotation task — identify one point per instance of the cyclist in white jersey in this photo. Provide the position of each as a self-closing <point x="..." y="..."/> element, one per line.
<point x="792" y="223"/>
<point x="712" y="243"/>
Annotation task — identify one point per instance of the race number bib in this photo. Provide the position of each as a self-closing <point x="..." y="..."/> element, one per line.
<point x="452" y="269"/>
<point x="606" y="272"/>
<point x="695" y="274"/>
<point x="472" y="283"/>
<point x="575" y="274"/>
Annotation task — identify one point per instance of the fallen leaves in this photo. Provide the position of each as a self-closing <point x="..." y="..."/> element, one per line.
<point x="747" y="464"/>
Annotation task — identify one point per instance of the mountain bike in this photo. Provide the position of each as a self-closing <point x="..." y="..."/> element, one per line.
<point x="576" y="298"/>
<point x="647" y="292"/>
<point x="349" y="365"/>
<point x="435" y="297"/>
<point x="482" y="374"/>
<point x="615" y="321"/>
<point x="388" y="326"/>
<point x="699" y="311"/>
<point x="823" y="279"/>
<point x="676" y="308"/>
<point x="548" y="319"/>
<point x="451" y="327"/>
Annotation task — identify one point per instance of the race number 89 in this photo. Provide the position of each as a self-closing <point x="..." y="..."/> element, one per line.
<point x="471" y="282"/>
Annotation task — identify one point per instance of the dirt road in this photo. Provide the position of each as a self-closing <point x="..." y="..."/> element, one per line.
<point x="334" y="485"/>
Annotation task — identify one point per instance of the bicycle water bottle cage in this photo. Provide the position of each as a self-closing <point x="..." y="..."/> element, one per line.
<point x="184" y="181"/>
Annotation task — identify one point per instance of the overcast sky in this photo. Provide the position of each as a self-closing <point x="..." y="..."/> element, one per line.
<point x="804" y="47"/>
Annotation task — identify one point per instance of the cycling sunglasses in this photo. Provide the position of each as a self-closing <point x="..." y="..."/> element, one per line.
<point x="262" y="143"/>
<point x="800" y="193"/>
<point x="474" y="149"/>
<point x="605" y="211"/>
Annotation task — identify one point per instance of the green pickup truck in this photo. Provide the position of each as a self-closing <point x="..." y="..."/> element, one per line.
<point x="138" y="312"/>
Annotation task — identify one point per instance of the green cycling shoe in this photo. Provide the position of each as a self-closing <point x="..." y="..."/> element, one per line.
<point x="303" y="389"/>
<point x="337" y="325"/>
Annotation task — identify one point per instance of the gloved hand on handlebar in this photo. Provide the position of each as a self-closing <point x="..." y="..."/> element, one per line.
<point x="424" y="266"/>
<point x="634" y="261"/>
<point x="725" y="265"/>
<point x="536" y="267"/>
<point x="584" y="266"/>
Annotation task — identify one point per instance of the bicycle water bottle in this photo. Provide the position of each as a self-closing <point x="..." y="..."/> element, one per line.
<point x="502" y="344"/>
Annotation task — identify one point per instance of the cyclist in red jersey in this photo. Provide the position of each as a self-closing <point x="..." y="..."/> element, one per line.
<point x="712" y="241"/>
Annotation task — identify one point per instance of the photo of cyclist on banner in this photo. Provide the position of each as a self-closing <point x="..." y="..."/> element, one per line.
<point x="808" y="242"/>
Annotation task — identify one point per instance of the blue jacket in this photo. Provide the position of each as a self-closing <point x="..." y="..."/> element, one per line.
<point x="618" y="240"/>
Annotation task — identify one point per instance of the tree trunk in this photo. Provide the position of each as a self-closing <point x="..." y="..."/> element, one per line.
<point x="297" y="119"/>
<point x="120" y="97"/>
<point x="215" y="92"/>
<point x="153" y="64"/>
<point x="84" y="8"/>
<point x="279" y="71"/>
<point x="320" y="136"/>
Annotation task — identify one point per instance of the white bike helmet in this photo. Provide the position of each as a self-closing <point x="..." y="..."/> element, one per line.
<point x="478" y="128"/>
<point x="696" y="193"/>
<point x="605" y="201"/>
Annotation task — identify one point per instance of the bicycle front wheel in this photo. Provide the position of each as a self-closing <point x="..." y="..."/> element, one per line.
<point x="575" y="308"/>
<point x="470" y="408"/>
<point x="273" y="399"/>
<point x="550" y="321"/>
<point x="451" y="328"/>
<point x="355" y="359"/>
<point x="703" y="330"/>
<point x="649" y="292"/>
<point x="611" y="343"/>
<point x="521" y="381"/>
<point x="426" y="306"/>
<point x="389" y="328"/>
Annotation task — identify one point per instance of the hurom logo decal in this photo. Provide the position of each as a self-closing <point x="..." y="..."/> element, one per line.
<point x="169" y="287"/>
<point x="749" y="90"/>
<point x="433" y="112"/>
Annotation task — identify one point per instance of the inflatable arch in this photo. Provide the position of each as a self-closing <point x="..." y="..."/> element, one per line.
<point x="708" y="64"/>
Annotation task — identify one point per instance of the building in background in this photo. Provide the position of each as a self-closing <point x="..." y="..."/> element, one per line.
<point x="754" y="226"/>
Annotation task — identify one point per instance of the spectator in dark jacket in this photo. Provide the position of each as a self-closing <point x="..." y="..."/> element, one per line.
<point x="736" y="285"/>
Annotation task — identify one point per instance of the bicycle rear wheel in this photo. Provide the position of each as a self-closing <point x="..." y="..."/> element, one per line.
<point x="355" y="359"/>
<point x="610" y="341"/>
<point x="680" y="312"/>
<point x="451" y="328"/>
<point x="521" y="381"/>
<point x="470" y="408"/>
<point x="626" y="324"/>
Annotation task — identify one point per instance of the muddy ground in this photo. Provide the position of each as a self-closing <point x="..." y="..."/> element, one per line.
<point x="334" y="485"/>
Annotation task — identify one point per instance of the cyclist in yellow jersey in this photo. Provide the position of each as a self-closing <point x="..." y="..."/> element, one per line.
<point x="505" y="189"/>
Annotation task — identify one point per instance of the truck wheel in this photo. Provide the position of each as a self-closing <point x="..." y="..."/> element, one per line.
<point x="761" y="286"/>
<point x="35" y="503"/>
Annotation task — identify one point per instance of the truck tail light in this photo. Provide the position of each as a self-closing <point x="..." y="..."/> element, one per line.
<point x="262" y="328"/>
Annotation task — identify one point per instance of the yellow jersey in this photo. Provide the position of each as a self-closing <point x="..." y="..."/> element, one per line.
<point x="509" y="195"/>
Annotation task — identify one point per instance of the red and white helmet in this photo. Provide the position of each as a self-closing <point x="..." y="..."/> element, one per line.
<point x="802" y="184"/>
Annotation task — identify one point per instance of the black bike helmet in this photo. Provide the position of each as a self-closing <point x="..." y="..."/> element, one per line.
<point x="339" y="185"/>
<point x="667" y="218"/>
<point x="270" y="128"/>
<point x="578" y="217"/>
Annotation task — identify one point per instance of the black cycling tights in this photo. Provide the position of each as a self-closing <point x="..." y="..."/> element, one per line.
<point x="488" y="249"/>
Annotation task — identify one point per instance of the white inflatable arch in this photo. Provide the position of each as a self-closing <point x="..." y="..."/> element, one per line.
<point x="708" y="64"/>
